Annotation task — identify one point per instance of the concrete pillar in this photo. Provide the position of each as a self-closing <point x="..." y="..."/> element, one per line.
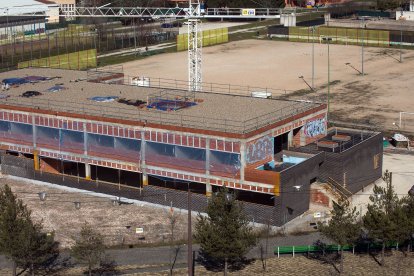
<point x="143" y="146"/>
<point x="34" y="130"/>
<point x="87" y="171"/>
<point x="242" y="160"/>
<point x="412" y="5"/>
<point x="36" y="160"/>
<point x="302" y="138"/>
<point x="143" y="165"/>
<point x="85" y="140"/>
<point x="282" y="19"/>
<point x="207" y="156"/>
<point x="209" y="190"/>
<point x="327" y="18"/>
<point x="144" y="179"/>
<point x="60" y="139"/>
<point x="290" y="139"/>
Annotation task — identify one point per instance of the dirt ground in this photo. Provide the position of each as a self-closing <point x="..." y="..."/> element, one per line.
<point x="373" y="99"/>
<point x="58" y="214"/>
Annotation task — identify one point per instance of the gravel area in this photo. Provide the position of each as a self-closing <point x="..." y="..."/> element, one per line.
<point x="238" y="114"/>
<point x="58" y="214"/>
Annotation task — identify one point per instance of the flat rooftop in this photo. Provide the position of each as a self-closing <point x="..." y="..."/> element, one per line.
<point x="216" y="112"/>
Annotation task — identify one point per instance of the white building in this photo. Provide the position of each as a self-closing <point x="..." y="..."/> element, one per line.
<point x="15" y="18"/>
<point x="68" y="5"/>
<point x="52" y="14"/>
<point x="406" y="15"/>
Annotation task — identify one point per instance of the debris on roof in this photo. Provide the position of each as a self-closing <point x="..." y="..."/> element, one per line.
<point x="104" y="99"/>
<point x="29" y="94"/>
<point x="56" y="88"/>
<point x="137" y="103"/>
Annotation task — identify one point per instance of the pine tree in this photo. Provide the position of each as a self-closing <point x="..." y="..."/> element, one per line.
<point x="344" y="228"/>
<point x="21" y="239"/>
<point x="224" y="234"/>
<point x="381" y="219"/>
<point x="407" y="210"/>
<point x="89" y="248"/>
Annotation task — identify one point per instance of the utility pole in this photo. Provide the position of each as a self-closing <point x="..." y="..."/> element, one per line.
<point x="190" y="236"/>
<point x="362" y="53"/>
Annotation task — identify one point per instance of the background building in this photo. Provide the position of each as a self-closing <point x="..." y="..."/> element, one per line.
<point x="406" y="14"/>
<point x="13" y="25"/>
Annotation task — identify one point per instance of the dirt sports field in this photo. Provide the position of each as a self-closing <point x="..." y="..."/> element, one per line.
<point x="373" y="99"/>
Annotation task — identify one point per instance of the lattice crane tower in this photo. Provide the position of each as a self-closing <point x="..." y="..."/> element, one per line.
<point x="195" y="45"/>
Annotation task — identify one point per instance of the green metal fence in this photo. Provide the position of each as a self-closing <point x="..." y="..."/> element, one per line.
<point x="306" y="249"/>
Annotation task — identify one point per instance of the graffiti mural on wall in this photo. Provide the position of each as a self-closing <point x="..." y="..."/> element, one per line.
<point x="315" y="127"/>
<point x="259" y="150"/>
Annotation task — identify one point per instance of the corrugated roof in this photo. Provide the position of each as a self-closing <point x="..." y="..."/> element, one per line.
<point x="17" y="7"/>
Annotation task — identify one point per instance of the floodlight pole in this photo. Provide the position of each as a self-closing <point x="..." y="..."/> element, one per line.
<point x="401" y="40"/>
<point x="313" y="57"/>
<point x="362" y="53"/>
<point x="190" y="236"/>
<point x="329" y="79"/>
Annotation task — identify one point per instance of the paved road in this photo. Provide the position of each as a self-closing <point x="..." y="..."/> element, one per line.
<point x="161" y="255"/>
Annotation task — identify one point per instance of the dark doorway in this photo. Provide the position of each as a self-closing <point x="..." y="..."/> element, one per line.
<point x="252" y="197"/>
<point x="116" y="176"/>
<point x="281" y="142"/>
<point x="176" y="184"/>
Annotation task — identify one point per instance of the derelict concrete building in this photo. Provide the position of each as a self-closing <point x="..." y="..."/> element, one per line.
<point x="138" y="138"/>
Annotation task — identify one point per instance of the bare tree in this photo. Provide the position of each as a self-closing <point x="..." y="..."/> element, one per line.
<point x="89" y="248"/>
<point x="173" y="219"/>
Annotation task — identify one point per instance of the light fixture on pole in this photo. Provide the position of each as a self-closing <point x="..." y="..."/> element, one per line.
<point x="116" y="201"/>
<point x="77" y="205"/>
<point x="42" y="196"/>
<point x="301" y="77"/>
<point x="297" y="188"/>
<point x="350" y="65"/>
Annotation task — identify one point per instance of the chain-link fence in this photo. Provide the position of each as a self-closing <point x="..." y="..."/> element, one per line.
<point x="23" y="167"/>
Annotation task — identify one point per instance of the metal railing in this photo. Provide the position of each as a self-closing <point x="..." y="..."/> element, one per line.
<point x="340" y="189"/>
<point x="210" y="87"/>
<point x="161" y="117"/>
